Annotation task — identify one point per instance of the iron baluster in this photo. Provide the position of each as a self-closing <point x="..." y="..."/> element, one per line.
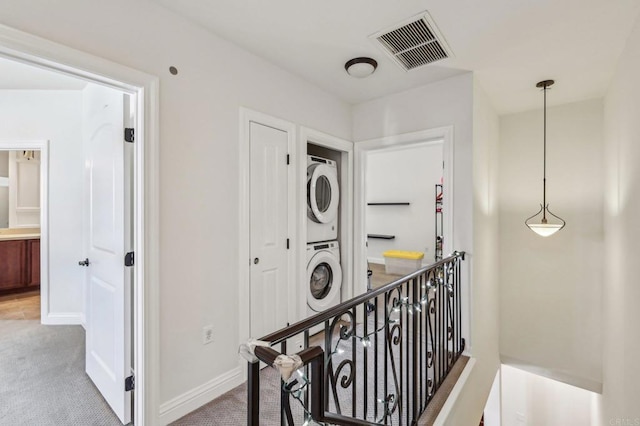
<point x="411" y="347"/>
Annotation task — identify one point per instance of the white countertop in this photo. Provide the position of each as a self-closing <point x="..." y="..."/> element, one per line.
<point x="7" y="234"/>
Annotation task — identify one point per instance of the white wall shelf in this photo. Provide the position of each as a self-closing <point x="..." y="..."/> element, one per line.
<point x="389" y="204"/>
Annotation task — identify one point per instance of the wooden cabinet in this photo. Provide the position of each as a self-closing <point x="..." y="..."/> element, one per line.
<point x="12" y="263"/>
<point x="19" y="265"/>
<point x="33" y="262"/>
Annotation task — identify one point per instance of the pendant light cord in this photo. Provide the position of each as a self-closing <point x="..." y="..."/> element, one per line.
<point x="544" y="159"/>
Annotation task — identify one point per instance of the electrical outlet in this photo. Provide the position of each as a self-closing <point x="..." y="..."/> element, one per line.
<point x="207" y="334"/>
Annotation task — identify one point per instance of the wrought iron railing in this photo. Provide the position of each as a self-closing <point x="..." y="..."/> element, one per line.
<point x="379" y="359"/>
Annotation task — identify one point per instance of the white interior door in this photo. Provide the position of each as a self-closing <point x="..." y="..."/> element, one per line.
<point x="108" y="348"/>
<point x="268" y="229"/>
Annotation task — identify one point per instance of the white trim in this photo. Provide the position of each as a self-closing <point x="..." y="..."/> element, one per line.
<point x="64" y="318"/>
<point x="43" y="147"/>
<point x="182" y="405"/>
<point x="247" y="116"/>
<point x="45" y="54"/>
<point x="403" y="141"/>
<point x="447" y="407"/>
<point x="346" y="148"/>
<point x="377" y="261"/>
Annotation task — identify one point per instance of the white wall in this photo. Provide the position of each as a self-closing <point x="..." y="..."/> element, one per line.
<point x="532" y="400"/>
<point x="441" y="104"/>
<point x="621" y="292"/>
<point x="551" y="288"/>
<point x="403" y="175"/>
<point x="199" y="131"/>
<point x="455" y="102"/>
<point x="483" y="263"/>
<point x="55" y="116"/>
<point x="493" y="409"/>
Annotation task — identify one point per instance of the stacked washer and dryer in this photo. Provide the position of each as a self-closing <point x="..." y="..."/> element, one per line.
<point x="324" y="273"/>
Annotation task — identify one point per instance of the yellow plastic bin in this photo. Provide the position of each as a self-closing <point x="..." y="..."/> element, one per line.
<point x="399" y="262"/>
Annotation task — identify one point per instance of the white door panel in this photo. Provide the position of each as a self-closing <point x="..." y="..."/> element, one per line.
<point x="268" y="229"/>
<point x="108" y="356"/>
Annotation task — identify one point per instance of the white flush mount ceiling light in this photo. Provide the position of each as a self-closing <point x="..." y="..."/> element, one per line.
<point x="361" y="67"/>
<point x="545" y="223"/>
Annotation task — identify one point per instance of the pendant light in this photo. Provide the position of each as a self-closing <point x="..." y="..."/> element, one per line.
<point x="545" y="223"/>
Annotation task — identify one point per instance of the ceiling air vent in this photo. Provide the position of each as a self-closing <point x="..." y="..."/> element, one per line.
<point x="414" y="43"/>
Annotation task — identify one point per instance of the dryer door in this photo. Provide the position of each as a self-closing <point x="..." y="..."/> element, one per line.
<point x="322" y="193"/>
<point x="324" y="279"/>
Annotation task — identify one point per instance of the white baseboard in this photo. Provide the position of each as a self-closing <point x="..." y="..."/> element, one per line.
<point x="189" y="401"/>
<point x="63" y="318"/>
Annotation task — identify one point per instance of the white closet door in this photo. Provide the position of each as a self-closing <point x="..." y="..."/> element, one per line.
<point x="268" y="229"/>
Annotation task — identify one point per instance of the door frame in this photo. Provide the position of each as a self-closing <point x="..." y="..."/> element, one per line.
<point x="26" y="48"/>
<point x="247" y="116"/>
<point x="388" y="142"/>
<point x="346" y="150"/>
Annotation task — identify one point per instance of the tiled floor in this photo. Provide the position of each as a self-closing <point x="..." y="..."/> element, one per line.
<point x="22" y="306"/>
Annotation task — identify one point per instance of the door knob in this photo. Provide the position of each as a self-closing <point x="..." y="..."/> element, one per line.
<point x="256" y="261"/>
<point x="84" y="262"/>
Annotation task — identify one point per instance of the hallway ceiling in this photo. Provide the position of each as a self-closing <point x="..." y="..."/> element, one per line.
<point x="510" y="45"/>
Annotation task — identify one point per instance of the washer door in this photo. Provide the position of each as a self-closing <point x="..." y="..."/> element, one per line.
<point x="322" y="193"/>
<point x="324" y="279"/>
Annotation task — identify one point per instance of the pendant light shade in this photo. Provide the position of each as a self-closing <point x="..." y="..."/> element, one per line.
<point x="545" y="223"/>
<point x="541" y="225"/>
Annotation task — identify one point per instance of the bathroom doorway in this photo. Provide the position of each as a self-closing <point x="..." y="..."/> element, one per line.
<point x="20" y="216"/>
<point x="20" y="234"/>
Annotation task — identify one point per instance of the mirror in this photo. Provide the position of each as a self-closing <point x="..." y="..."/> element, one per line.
<point x="19" y="189"/>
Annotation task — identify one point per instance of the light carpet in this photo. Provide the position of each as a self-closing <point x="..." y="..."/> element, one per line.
<point x="42" y="378"/>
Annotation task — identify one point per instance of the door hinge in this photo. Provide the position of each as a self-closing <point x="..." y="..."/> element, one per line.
<point x="129" y="259"/>
<point x="129" y="383"/>
<point x="288" y="159"/>
<point x="287" y="244"/>
<point x="129" y="134"/>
